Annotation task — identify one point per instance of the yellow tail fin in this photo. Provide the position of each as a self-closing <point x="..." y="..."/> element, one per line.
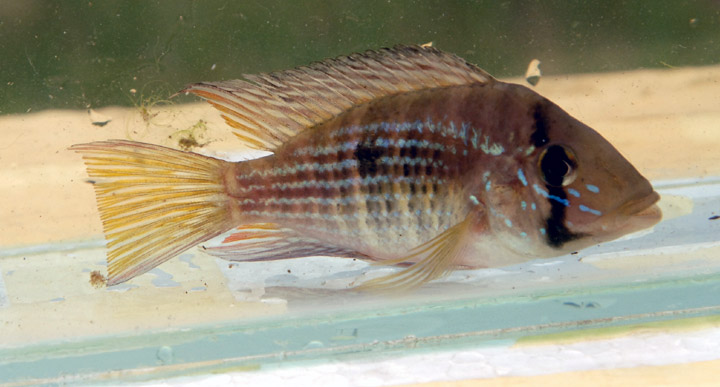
<point x="154" y="202"/>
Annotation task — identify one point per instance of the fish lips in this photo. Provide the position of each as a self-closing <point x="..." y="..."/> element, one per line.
<point x="634" y="215"/>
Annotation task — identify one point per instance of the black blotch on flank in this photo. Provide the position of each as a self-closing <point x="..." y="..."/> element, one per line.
<point x="406" y="170"/>
<point x="417" y="170"/>
<point x="557" y="234"/>
<point x="539" y="137"/>
<point x="367" y="156"/>
<point x="436" y="154"/>
<point x="384" y="169"/>
<point x="389" y="206"/>
<point x="413" y="151"/>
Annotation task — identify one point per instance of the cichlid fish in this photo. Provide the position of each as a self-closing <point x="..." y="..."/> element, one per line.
<point x="405" y="156"/>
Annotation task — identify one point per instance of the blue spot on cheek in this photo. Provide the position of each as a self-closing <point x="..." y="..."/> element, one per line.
<point x="585" y="208"/>
<point x="573" y="192"/>
<point x="560" y="200"/>
<point x="508" y="223"/>
<point x="523" y="234"/>
<point x="523" y="205"/>
<point x="542" y="231"/>
<point x="521" y="176"/>
<point x="533" y="206"/>
<point x="544" y="193"/>
<point x="487" y="186"/>
<point x="592" y="188"/>
<point x="540" y="190"/>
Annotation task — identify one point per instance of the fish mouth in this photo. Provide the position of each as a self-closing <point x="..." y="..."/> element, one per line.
<point x="635" y="215"/>
<point x="638" y="213"/>
<point x="641" y="207"/>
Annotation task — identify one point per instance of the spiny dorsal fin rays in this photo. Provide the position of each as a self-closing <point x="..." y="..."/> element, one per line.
<point x="295" y="82"/>
<point x="438" y="258"/>
<point x="154" y="202"/>
<point x="239" y="113"/>
<point x="268" y="109"/>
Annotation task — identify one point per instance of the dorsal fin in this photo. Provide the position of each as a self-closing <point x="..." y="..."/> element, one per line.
<point x="268" y="109"/>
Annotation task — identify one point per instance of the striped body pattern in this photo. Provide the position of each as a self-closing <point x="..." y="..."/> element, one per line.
<point x="387" y="185"/>
<point x="374" y="180"/>
<point x="405" y="156"/>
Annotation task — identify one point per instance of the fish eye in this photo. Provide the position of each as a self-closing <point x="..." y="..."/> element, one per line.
<point x="558" y="166"/>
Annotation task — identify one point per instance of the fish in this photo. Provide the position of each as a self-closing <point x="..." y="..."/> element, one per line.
<point x="406" y="156"/>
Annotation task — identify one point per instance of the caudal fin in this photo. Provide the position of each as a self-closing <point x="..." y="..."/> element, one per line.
<point x="154" y="202"/>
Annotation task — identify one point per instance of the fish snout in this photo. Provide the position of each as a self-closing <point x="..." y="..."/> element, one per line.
<point x="643" y="206"/>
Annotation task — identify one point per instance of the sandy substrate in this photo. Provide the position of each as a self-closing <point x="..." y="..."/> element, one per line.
<point x="664" y="121"/>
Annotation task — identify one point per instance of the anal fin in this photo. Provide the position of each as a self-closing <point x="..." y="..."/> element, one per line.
<point x="269" y="242"/>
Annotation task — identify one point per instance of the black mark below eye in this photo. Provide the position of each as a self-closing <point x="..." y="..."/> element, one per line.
<point x="540" y="132"/>
<point x="557" y="165"/>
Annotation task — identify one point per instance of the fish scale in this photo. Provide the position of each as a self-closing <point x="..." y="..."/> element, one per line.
<point x="404" y="202"/>
<point x="406" y="155"/>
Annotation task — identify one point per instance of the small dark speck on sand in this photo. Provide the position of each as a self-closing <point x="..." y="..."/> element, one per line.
<point x="714" y="217"/>
<point x="97" y="280"/>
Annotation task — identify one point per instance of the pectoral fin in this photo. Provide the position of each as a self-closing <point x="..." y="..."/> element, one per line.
<point x="437" y="257"/>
